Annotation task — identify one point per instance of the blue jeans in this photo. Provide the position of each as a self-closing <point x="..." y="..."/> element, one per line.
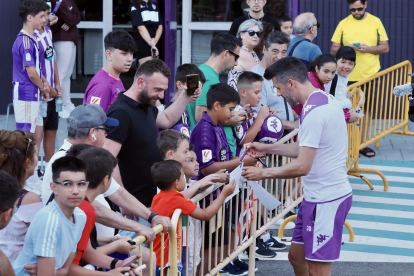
<point x="133" y="235"/>
<point x="183" y="260"/>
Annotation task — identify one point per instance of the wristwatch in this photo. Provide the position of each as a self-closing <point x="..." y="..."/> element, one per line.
<point x="152" y="215"/>
<point x="113" y="263"/>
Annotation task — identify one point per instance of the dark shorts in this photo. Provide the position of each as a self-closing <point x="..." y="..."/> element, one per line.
<point x="319" y="228"/>
<point x="51" y="122"/>
<point x="144" y="50"/>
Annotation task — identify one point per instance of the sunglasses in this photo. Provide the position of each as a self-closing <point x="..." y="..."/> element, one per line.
<point x="354" y="10"/>
<point x="252" y="33"/>
<point x="236" y="56"/>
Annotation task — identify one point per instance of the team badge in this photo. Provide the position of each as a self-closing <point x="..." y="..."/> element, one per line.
<point x="28" y="57"/>
<point x="239" y="131"/>
<point x="96" y="100"/>
<point x="185" y="131"/>
<point x="207" y="155"/>
<point x="274" y="124"/>
<point x="223" y="153"/>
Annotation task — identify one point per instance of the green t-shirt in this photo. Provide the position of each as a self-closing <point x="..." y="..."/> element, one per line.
<point x="212" y="77"/>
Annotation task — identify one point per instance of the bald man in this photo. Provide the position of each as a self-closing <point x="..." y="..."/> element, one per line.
<point x="301" y="47"/>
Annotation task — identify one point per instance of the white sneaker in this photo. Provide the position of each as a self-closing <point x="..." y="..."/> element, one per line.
<point x="66" y="110"/>
<point x="289" y="225"/>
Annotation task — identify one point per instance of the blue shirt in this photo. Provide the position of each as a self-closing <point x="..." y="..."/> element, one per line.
<point x="305" y="50"/>
<point x="50" y="235"/>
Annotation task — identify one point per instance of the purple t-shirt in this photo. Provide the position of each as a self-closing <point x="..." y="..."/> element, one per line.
<point x="46" y="53"/>
<point x="103" y="90"/>
<point x="210" y="143"/>
<point x="239" y="132"/>
<point x="25" y="54"/>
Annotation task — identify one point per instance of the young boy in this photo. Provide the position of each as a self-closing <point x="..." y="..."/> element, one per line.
<point x="183" y="125"/>
<point x="104" y="87"/>
<point x="27" y="75"/>
<point x="169" y="178"/>
<point x="286" y="25"/>
<point x="57" y="228"/>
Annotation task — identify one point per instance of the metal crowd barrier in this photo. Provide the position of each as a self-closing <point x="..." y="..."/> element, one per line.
<point x="384" y="114"/>
<point x="254" y="219"/>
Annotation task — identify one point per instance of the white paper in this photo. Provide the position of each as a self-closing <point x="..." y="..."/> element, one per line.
<point x="265" y="198"/>
<point x="235" y="174"/>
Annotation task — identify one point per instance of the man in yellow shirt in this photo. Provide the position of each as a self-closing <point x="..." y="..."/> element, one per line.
<point x="367" y="36"/>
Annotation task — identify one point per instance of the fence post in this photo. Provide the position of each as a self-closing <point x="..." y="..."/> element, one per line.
<point x="252" y="248"/>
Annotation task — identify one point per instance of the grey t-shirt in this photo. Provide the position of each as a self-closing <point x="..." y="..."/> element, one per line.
<point x="271" y="99"/>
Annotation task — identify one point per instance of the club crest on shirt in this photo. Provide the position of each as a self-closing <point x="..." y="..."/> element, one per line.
<point x="223" y="153"/>
<point x="95" y="100"/>
<point x="207" y="155"/>
<point x="306" y="108"/>
<point x="239" y="131"/>
<point x="28" y="57"/>
<point x="274" y="124"/>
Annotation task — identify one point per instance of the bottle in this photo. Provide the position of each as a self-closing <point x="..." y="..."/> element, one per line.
<point x="59" y="104"/>
<point x="43" y="108"/>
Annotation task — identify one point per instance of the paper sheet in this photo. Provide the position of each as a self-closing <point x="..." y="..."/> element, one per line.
<point x="265" y="198"/>
<point x="235" y="174"/>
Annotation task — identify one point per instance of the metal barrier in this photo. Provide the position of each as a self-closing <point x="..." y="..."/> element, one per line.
<point x="384" y="114"/>
<point x="220" y="242"/>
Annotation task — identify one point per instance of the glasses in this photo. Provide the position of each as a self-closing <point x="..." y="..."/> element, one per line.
<point x="252" y="33"/>
<point x="254" y="1"/>
<point x="354" y="10"/>
<point x="317" y="25"/>
<point x="107" y="129"/>
<point x="69" y="185"/>
<point x="236" y="56"/>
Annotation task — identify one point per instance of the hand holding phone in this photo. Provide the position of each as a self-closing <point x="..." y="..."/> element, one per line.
<point x="356" y="44"/>
<point x="192" y="84"/>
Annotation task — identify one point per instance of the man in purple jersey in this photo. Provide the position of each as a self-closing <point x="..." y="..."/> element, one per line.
<point x="27" y="76"/>
<point x="104" y="87"/>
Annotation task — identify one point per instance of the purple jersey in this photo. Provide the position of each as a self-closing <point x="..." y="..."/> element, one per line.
<point x="25" y="54"/>
<point x="239" y="132"/>
<point x="210" y="143"/>
<point x="103" y="90"/>
<point x="46" y="53"/>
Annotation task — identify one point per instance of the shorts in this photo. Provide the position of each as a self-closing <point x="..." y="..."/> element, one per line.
<point x="319" y="228"/>
<point x="27" y="114"/>
<point x="51" y="122"/>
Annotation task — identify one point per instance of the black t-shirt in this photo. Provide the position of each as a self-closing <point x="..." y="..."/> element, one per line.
<point x="237" y="22"/>
<point x="144" y="15"/>
<point x="137" y="132"/>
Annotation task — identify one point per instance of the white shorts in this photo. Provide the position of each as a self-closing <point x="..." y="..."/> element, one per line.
<point x="27" y="115"/>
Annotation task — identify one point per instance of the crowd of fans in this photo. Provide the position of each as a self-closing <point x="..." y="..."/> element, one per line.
<point x="127" y="165"/>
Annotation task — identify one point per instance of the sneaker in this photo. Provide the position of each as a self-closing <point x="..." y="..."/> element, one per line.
<point x="222" y="273"/>
<point x="273" y="244"/>
<point x="290" y="225"/>
<point x="233" y="270"/>
<point x="66" y="110"/>
<point x="242" y="265"/>
<point x="262" y="251"/>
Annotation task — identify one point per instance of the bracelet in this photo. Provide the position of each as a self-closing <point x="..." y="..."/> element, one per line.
<point x="113" y="263"/>
<point x="152" y="215"/>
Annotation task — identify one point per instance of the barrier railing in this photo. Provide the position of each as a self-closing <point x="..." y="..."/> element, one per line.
<point x="384" y="114"/>
<point x="211" y="245"/>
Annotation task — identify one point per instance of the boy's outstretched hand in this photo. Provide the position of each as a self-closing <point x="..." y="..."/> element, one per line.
<point x="208" y="181"/>
<point x="229" y="188"/>
<point x="224" y="176"/>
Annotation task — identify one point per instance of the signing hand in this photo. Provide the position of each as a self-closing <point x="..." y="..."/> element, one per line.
<point x="249" y="161"/>
<point x="253" y="173"/>
<point x="65" y="27"/>
<point x="255" y="149"/>
<point x="263" y="112"/>
<point x="272" y="111"/>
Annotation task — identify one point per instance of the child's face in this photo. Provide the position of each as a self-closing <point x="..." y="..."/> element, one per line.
<point x="181" y="182"/>
<point x="253" y="95"/>
<point x="73" y="194"/>
<point x="191" y="167"/>
<point x="344" y="67"/>
<point x="327" y="72"/>
<point x="226" y="112"/>
<point x="287" y="27"/>
<point x="182" y="153"/>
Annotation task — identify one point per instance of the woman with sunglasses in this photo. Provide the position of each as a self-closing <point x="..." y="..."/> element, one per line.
<point x="249" y="32"/>
<point x="18" y="157"/>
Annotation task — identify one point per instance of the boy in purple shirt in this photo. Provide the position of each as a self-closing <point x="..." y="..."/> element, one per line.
<point x="104" y="87"/>
<point x="27" y="76"/>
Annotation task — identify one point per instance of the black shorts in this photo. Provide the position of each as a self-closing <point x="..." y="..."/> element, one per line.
<point x="51" y="122"/>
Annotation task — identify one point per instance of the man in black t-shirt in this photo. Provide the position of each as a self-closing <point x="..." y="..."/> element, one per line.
<point x="255" y="12"/>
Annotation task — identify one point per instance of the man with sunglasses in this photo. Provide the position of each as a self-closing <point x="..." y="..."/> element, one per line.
<point x="301" y="47"/>
<point x="255" y="12"/>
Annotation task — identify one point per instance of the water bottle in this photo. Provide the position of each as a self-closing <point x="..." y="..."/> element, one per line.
<point x="43" y="108"/>
<point x="59" y="104"/>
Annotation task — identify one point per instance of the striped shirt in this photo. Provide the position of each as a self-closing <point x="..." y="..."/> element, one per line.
<point x="46" y="53"/>
<point x="50" y="235"/>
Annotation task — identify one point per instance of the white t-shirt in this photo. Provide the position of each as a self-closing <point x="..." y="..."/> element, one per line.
<point x="322" y="126"/>
<point x="340" y="91"/>
<point x="47" y="177"/>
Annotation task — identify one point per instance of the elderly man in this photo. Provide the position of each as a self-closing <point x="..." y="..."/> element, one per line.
<point x="321" y="154"/>
<point x="275" y="49"/>
<point x="134" y="141"/>
<point x="301" y="47"/>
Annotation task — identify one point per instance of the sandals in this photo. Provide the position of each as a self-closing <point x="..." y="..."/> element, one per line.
<point x="367" y="152"/>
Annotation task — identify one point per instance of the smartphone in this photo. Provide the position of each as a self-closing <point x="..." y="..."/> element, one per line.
<point x="131" y="242"/>
<point x="248" y="112"/>
<point x="356" y="44"/>
<point x="134" y="261"/>
<point x="192" y="84"/>
<point x="154" y="52"/>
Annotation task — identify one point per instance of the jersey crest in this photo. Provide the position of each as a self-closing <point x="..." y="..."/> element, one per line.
<point x="95" y="100"/>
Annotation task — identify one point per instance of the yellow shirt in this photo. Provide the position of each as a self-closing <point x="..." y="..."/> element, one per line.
<point x="364" y="31"/>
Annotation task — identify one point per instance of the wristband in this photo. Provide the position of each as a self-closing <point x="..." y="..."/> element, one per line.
<point x="152" y="215"/>
<point x="113" y="263"/>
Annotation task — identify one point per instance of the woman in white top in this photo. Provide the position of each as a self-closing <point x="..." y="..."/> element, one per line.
<point x="18" y="157"/>
<point x="249" y="32"/>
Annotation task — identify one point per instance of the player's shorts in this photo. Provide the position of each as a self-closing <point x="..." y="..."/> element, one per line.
<point x="319" y="228"/>
<point x="27" y="115"/>
<point x="51" y="122"/>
